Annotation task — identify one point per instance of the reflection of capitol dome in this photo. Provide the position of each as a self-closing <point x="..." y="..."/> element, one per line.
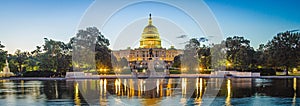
<point x="150" y="36"/>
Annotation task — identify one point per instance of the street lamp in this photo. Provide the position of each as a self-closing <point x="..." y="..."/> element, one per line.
<point x="228" y="65"/>
<point x="295" y="70"/>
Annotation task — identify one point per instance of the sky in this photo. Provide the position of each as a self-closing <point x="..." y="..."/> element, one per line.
<point x="24" y="23"/>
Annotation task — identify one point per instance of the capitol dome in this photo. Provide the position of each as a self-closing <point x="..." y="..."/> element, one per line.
<point x="150" y="29"/>
<point x="150" y="36"/>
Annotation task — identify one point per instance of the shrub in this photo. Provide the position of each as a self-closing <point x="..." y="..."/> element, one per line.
<point x="175" y="72"/>
<point x="39" y="74"/>
<point x="205" y="72"/>
<point x="267" y="72"/>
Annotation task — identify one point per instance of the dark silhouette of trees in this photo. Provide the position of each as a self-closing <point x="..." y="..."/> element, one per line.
<point x="3" y="55"/>
<point x="218" y="56"/>
<point x="283" y="50"/>
<point x="34" y="60"/>
<point x="52" y="56"/>
<point x="189" y="59"/>
<point x="57" y="56"/>
<point x="204" y="55"/>
<point x="177" y="61"/>
<point x="123" y="62"/>
<point x="88" y="51"/>
<point x="20" y="58"/>
<point x="90" y="47"/>
<point x="239" y="52"/>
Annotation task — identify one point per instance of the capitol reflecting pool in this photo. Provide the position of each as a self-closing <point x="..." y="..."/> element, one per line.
<point x="177" y="91"/>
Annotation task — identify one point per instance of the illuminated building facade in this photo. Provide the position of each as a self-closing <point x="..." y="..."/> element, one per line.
<point x="150" y="39"/>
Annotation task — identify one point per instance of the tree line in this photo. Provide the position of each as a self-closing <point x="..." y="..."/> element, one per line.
<point x="56" y="56"/>
<point x="234" y="53"/>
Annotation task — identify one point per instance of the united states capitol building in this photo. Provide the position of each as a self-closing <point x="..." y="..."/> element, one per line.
<point x="150" y="39"/>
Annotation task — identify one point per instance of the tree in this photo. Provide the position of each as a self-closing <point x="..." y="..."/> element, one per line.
<point x="31" y="62"/>
<point x="123" y="62"/>
<point x="189" y="60"/>
<point x="204" y="55"/>
<point x="192" y="44"/>
<point x="103" y="57"/>
<point x="89" y="47"/>
<point x="3" y="55"/>
<point x="284" y="50"/>
<point x="13" y="65"/>
<point x="56" y="56"/>
<point x="34" y="59"/>
<point x="260" y="59"/>
<point x="218" y="56"/>
<point x="21" y="58"/>
<point x="239" y="52"/>
<point x="177" y="61"/>
<point x="244" y="57"/>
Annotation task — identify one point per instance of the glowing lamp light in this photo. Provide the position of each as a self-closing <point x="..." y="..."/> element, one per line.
<point x="117" y="69"/>
<point x="183" y="69"/>
<point x="259" y="66"/>
<point x="200" y="68"/>
<point x="295" y="70"/>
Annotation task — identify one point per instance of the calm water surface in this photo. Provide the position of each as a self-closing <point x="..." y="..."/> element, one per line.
<point x="172" y="92"/>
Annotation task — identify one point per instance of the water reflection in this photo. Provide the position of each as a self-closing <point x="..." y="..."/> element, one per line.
<point x="102" y="96"/>
<point x="183" y="87"/>
<point x="76" y="94"/>
<point x="199" y="90"/>
<point x="295" y="91"/>
<point x="228" y="85"/>
<point x="185" y="91"/>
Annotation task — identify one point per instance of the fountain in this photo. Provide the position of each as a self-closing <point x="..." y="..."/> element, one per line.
<point x="6" y="71"/>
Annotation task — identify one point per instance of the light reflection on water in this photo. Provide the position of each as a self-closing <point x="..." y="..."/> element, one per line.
<point x="228" y="86"/>
<point x="184" y="91"/>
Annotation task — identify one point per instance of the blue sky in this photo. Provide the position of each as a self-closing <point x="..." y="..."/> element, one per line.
<point x="24" y="23"/>
<point x="257" y="20"/>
